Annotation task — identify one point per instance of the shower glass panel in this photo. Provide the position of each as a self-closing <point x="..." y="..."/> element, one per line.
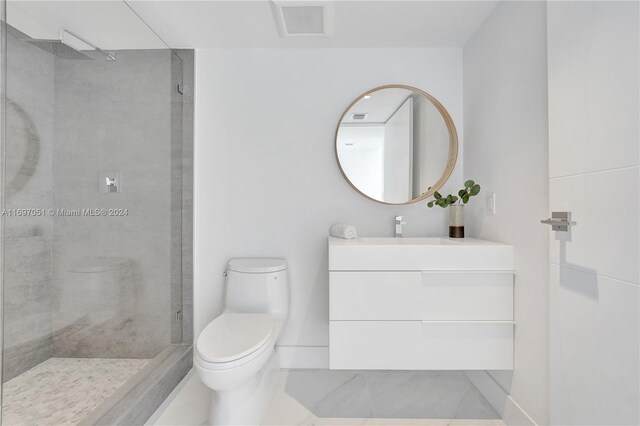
<point x="93" y="214"/>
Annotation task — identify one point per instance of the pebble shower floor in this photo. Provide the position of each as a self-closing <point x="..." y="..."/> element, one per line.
<point x="63" y="391"/>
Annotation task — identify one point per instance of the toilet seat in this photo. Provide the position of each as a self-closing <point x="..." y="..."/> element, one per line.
<point x="233" y="339"/>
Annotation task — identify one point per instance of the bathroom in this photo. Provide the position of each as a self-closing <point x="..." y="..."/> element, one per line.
<point x="159" y="156"/>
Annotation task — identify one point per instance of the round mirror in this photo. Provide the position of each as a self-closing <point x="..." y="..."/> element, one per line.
<point x="396" y="144"/>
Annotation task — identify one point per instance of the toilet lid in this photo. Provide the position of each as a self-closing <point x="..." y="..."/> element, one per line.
<point x="232" y="336"/>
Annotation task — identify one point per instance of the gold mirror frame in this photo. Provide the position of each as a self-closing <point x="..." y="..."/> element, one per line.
<point x="453" y="143"/>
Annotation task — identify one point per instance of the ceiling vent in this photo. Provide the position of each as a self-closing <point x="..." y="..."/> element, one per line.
<point x="359" y="116"/>
<point x="303" y="18"/>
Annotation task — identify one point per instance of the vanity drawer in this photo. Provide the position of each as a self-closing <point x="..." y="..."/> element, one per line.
<point x="414" y="295"/>
<point x="421" y="345"/>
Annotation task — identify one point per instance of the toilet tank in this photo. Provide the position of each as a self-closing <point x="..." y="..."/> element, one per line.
<point x="257" y="286"/>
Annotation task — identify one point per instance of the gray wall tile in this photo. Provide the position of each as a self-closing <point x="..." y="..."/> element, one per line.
<point x="114" y="116"/>
<point x="28" y="161"/>
<point x="88" y="117"/>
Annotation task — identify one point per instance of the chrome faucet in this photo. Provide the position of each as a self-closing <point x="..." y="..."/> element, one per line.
<point x="399" y="222"/>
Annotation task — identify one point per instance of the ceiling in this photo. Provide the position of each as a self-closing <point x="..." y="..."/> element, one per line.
<point x="250" y="24"/>
<point x="109" y="24"/>
<point x="112" y="24"/>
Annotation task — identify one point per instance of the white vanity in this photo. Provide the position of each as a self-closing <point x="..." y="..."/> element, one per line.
<point x="420" y="304"/>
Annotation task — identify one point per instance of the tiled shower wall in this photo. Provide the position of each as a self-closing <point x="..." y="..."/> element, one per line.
<point x="68" y="122"/>
<point x="28" y="156"/>
<point x="114" y="117"/>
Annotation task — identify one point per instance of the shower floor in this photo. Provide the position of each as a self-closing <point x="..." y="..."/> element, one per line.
<point x="62" y="391"/>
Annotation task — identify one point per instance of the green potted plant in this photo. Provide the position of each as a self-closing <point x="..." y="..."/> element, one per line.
<point x="456" y="206"/>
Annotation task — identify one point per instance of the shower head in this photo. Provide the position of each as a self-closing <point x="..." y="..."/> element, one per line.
<point x="71" y="46"/>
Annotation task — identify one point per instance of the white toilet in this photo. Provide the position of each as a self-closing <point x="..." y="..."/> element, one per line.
<point x="235" y="354"/>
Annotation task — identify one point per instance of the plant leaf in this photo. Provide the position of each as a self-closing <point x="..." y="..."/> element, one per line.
<point x="462" y="192"/>
<point x="430" y="204"/>
<point x="465" y="199"/>
<point x="475" y="190"/>
<point x="469" y="183"/>
<point x="437" y="195"/>
<point x="454" y="199"/>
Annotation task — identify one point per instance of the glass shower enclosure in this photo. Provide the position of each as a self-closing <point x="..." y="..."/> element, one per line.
<point x="96" y="214"/>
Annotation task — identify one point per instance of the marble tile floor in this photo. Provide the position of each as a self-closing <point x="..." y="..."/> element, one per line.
<point x="345" y="398"/>
<point x="62" y="391"/>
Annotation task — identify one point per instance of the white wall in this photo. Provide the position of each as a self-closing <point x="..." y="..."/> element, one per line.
<point x="505" y="110"/>
<point x="266" y="178"/>
<point x="594" y="120"/>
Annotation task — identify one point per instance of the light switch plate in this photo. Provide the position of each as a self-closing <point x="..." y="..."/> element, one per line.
<point x="491" y="203"/>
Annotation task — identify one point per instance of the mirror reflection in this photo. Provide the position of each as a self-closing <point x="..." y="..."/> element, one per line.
<point x="394" y="143"/>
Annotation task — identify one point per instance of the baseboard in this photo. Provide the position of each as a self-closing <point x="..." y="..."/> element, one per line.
<point x="303" y="357"/>
<point x="504" y="404"/>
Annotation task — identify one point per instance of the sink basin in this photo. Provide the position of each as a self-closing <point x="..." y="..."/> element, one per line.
<point x="419" y="254"/>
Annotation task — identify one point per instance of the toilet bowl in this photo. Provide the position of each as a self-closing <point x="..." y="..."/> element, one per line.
<point x="235" y="354"/>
